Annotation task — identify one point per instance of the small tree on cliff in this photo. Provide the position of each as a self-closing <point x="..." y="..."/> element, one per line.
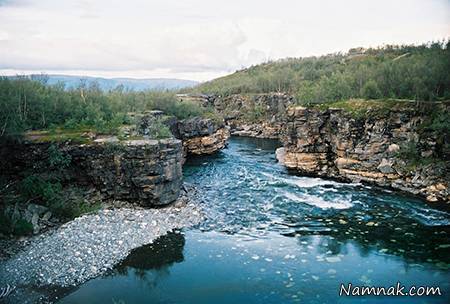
<point x="370" y="90"/>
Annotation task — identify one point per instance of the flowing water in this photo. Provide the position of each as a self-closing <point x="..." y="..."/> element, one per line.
<point x="272" y="237"/>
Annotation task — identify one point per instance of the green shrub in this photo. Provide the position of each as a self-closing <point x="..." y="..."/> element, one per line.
<point x="5" y="224"/>
<point x="409" y="152"/>
<point x="57" y="159"/>
<point x="66" y="205"/>
<point x="370" y="90"/>
<point x="158" y="130"/>
<point x="19" y="227"/>
<point x="72" y="208"/>
<point x="441" y="123"/>
<point x="71" y="124"/>
<point x="35" y="187"/>
<point x="255" y="113"/>
<point x="214" y="116"/>
<point x="22" y="227"/>
<point x="110" y="127"/>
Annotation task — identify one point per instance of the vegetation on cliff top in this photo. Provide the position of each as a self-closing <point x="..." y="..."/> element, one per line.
<point x="32" y="105"/>
<point x="400" y="72"/>
<point x="365" y="108"/>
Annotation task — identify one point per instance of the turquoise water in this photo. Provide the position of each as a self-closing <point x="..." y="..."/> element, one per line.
<point x="272" y="237"/>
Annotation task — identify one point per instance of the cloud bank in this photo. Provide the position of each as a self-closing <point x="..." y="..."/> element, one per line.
<point x="199" y="39"/>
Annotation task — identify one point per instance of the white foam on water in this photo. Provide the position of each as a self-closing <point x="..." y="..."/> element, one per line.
<point x="421" y="212"/>
<point x="318" y="201"/>
<point x="303" y="182"/>
<point x="431" y="217"/>
<point x="308" y="182"/>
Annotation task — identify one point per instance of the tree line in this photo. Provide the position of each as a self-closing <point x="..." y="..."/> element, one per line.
<point x="29" y="104"/>
<point x="399" y="72"/>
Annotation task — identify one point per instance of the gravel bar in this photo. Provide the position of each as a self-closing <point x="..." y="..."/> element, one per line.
<point x="91" y="245"/>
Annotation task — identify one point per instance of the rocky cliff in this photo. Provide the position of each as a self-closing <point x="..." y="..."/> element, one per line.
<point x="134" y="168"/>
<point x="347" y="145"/>
<point x="259" y="115"/>
<point x="334" y="143"/>
<point x="199" y="135"/>
<point x="56" y="176"/>
<point x="202" y="136"/>
<point x="146" y="172"/>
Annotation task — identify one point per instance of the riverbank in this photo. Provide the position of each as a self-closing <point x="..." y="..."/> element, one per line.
<point x="87" y="247"/>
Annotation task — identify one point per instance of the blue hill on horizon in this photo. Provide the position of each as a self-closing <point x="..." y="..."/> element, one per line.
<point x="106" y="84"/>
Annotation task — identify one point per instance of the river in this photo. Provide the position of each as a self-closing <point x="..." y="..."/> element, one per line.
<point x="273" y="237"/>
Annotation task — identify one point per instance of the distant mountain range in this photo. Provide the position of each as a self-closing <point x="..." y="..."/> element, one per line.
<point x="129" y="83"/>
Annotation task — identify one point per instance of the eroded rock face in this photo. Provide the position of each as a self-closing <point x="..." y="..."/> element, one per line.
<point x="199" y="135"/>
<point x="196" y="127"/>
<point x="207" y="144"/>
<point x="269" y="109"/>
<point x="146" y="172"/>
<point x="332" y="143"/>
<point x="202" y="136"/>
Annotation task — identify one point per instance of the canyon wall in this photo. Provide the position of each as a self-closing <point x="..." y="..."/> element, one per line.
<point x="333" y="143"/>
<point x="146" y="172"/>
<point x="340" y="144"/>
<point x="202" y="136"/>
<point x="258" y="115"/>
<point x="135" y="169"/>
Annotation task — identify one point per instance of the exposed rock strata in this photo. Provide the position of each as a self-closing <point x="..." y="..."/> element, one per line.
<point x="199" y="135"/>
<point x="147" y="172"/>
<point x="202" y="136"/>
<point x="260" y="115"/>
<point x="207" y="144"/>
<point x="332" y="143"/>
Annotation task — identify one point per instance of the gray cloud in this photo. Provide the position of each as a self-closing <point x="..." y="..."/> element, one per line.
<point x="200" y="38"/>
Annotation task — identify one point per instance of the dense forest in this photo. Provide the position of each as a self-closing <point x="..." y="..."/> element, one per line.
<point x="404" y="72"/>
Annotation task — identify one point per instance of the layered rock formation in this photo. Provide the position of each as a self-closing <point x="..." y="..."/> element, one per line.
<point x="143" y="171"/>
<point x="260" y="115"/>
<point x="333" y="143"/>
<point x="202" y="136"/>
<point x="337" y="144"/>
<point x="147" y="172"/>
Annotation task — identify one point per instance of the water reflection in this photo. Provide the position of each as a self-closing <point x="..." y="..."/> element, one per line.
<point x="136" y="279"/>
<point x="164" y="252"/>
<point x="405" y="237"/>
<point x="151" y="263"/>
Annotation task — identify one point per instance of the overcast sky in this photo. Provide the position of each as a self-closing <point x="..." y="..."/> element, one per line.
<point x="200" y="39"/>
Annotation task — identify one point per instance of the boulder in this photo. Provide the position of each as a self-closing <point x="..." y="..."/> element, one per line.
<point x="385" y="166"/>
<point x="393" y="148"/>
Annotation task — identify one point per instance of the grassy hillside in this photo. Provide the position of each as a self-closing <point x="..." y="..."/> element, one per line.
<point x="405" y="72"/>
